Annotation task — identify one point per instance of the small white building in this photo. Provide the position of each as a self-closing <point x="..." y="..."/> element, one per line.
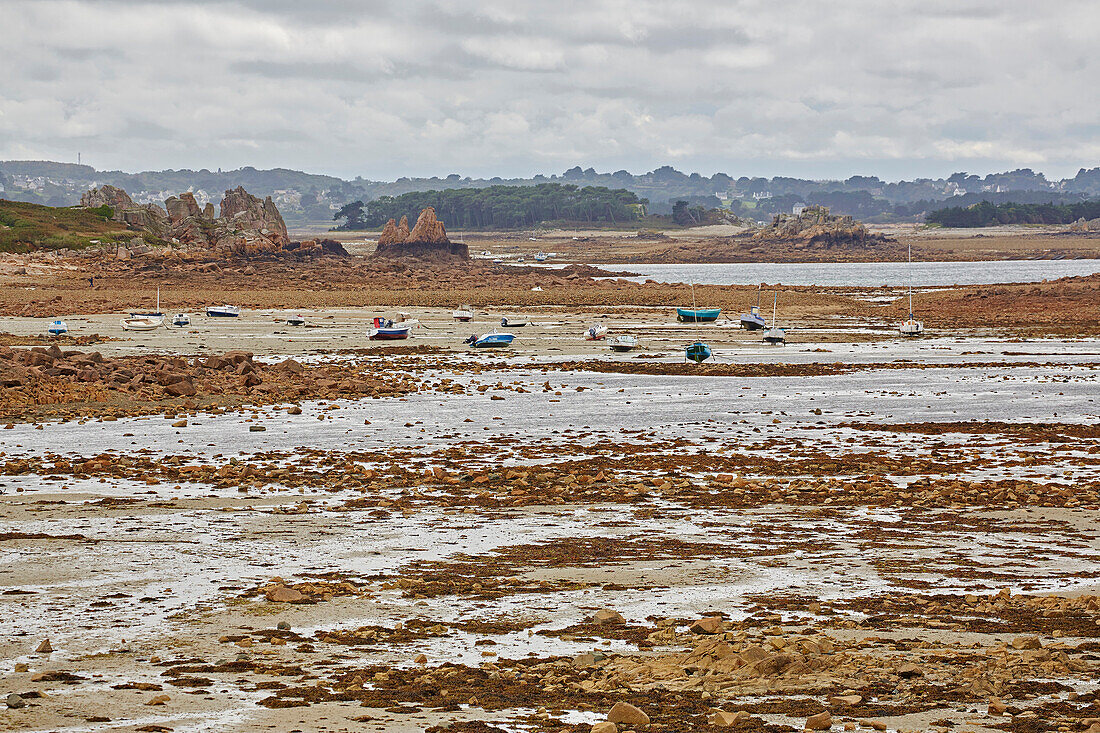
<point x="761" y="195"/>
<point x="798" y="208"/>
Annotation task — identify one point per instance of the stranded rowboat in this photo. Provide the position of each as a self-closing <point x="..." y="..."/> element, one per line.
<point x="505" y="323"/>
<point x="181" y="320"/>
<point x="223" y="311"/>
<point x="463" y="313"/>
<point x="57" y="328"/>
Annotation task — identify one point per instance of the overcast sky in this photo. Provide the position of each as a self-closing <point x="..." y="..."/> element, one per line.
<point x="897" y="88"/>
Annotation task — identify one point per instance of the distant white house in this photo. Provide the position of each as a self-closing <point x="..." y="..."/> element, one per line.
<point x="760" y="195"/>
<point x="798" y="208"/>
<point x="722" y="195"/>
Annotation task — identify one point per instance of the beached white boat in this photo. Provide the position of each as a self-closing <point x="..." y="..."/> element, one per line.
<point x="541" y="257"/>
<point x="295" y="321"/>
<point x="775" y="335"/>
<point x="180" y="320"/>
<point x="142" y="323"/>
<point x="463" y="313"/>
<point x="506" y="322"/>
<point x="911" y="327"/>
<point x="624" y="342"/>
<point x="595" y="333"/>
<point x="223" y="311"/>
<point x="57" y="328"/>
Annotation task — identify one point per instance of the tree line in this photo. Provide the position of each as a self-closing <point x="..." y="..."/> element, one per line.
<point x="500" y="207"/>
<point x="986" y="214"/>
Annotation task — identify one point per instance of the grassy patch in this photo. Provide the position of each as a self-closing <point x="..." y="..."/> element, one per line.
<point x="25" y="227"/>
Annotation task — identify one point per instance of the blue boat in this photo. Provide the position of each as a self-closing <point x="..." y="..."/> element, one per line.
<point x="491" y="341"/>
<point x="697" y="315"/>
<point x="57" y="328"/>
<point x="698" y="352"/>
<point x="753" y="321"/>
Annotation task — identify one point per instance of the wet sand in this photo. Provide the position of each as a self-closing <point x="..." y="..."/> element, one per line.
<point x="889" y="534"/>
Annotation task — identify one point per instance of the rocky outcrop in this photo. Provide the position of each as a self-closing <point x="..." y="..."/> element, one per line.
<point x="427" y="239"/>
<point x="146" y="217"/>
<point x="107" y="195"/>
<point x="816" y="225"/>
<point x="390" y="234"/>
<point x="1084" y="225"/>
<point x="428" y="229"/>
<point x="246" y="212"/>
<point x="182" y="206"/>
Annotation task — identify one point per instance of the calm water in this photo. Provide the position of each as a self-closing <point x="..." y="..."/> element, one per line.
<point x="864" y="274"/>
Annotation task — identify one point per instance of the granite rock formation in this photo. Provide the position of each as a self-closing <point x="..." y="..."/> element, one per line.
<point x="816" y="225"/>
<point x="146" y="217"/>
<point x="427" y="238"/>
<point x="248" y="225"/>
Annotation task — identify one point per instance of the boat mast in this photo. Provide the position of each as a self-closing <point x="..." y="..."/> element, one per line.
<point x="774" y="301"/>
<point x="910" y="281"/>
<point x="158" y="300"/>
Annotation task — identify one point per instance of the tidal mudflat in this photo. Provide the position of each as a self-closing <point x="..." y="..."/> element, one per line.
<point x="508" y="543"/>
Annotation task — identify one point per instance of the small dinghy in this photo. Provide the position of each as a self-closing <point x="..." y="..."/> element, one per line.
<point x="541" y="257"/>
<point x="775" y="335"/>
<point x="595" y="333"/>
<point x="295" y="321"/>
<point x="698" y="352"/>
<point x="625" y="342"/>
<point x="181" y="319"/>
<point x="141" y="323"/>
<point x="389" y="331"/>
<point x="463" y="313"/>
<point x="57" y="328"/>
<point x="223" y="311"/>
<point x="505" y="323"/>
<point x="490" y="340"/>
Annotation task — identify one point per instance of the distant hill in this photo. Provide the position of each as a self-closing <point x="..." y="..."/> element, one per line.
<point x="25" y="227"/>
<point x="306" y="197"/>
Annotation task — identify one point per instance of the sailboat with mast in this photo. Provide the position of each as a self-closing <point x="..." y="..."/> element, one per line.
<point x="775" y="335"/>
<point x="698" y="351"/>
<point x="911" y="327"/>
<point x="753" y="321"/>
<point x="144" y="321"/>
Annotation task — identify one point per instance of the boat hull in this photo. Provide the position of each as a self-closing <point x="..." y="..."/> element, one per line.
<point x="775" y="336"/>
<point x="57" y="328"/>
<point x="911" y="328"/>
<point x="224" y="311"/>
<point x="389" y="334"/>
<point x="622" y="343"/>
<point x="749" y="322"/>
<point x="141" y="324"/>
<point x="697" y="352"/>
<point x="697" y="315"/>
<point x="494" y="341"/>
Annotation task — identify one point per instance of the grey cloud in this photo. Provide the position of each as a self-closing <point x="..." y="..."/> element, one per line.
<point x="507" y="87"/>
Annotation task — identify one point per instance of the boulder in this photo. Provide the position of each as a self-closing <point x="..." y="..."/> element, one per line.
<point x="282" y="594"/>
<point x="181" y="207"/>
<point x="708" y="625"/>
<point x="604" y="727"/>
<point x="821" y="721"/>
<point x="608" y="616"/>
<point x="249" y="212"/>
<point x="723" y="719"/>
<point x="627" y="714"/>
<point x="403" y="228"/>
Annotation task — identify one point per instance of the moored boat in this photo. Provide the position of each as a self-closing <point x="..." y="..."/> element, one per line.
<point x="541" y="257"/>
<point x="57" y="328"/>
<point x="911" y="327"/>
<point x="389" y="334"/>
<point x="697" y="315"/>
<point x="223" y="311"/>
<point x="181" y="319"/>
<point x="595" y="333"/>
<point x="490" y="340"/>
<point x="624" y="342"/>
<point x="697" y="352"/>
<point x="463" y="313"/>
<point x="141" y="323"/>
<point x="775" y="335"/>
<point x="506" y="323"/>
<point x="295" y="320"/>
<point x="753" y="321"/>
